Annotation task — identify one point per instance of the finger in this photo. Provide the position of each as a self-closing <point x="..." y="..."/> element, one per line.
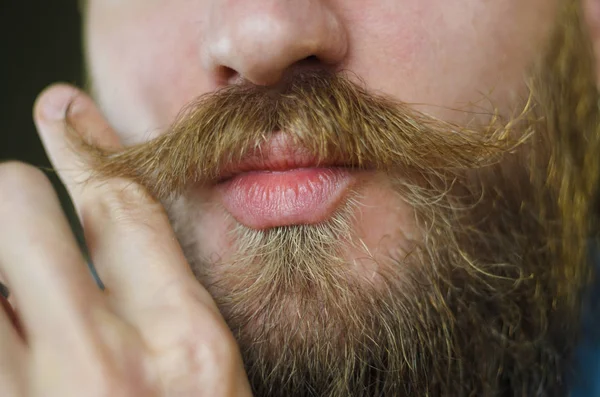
<point x="58" y="133"/>
<point x="39" y="256"/>
<point x="128" y="233"/>
<point x="12" y="354"/>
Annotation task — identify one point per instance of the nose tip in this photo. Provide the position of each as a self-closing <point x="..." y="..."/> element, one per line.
<point x="260" y="44"/>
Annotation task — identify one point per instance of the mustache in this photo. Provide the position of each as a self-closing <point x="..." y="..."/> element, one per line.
<point x="324" y="113"/>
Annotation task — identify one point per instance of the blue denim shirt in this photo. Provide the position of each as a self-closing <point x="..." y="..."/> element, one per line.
<point x="587" y="380"/>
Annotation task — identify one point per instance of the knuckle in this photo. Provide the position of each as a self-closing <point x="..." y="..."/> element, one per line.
<point x="218" y="347"/>
<point x="200" y="356"/>
<point x="16" y="175"/>
<point x="205" y="338"/>
<point x="222" y="348"/>
<point x="19" y="182"/>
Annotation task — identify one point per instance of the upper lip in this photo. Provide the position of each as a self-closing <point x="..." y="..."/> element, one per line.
<point x="279" y="153"/>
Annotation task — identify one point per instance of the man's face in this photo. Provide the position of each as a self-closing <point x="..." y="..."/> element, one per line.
<point x="337" y="275"/>
<point x="148" y="60"/>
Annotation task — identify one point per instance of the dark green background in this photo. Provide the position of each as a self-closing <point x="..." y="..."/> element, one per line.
<point x="41" y="44"/>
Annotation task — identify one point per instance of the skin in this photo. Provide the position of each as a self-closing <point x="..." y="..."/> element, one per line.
<point x="156" y="331"/>
<point x="400" y="49"/>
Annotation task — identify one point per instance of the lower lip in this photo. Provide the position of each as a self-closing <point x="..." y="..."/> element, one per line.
<point x="266" y="199"/>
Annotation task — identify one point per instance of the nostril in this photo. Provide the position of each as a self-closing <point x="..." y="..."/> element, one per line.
<point x="311" y="60"/>
<point x="306" y="65"/>
<point x="227" y="75"/>
<point x="314" y="62"/>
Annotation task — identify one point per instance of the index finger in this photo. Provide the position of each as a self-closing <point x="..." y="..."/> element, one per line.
<point x="127" y="231"/>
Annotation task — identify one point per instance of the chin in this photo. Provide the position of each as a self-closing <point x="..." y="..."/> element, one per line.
<point x="365" y="225"/>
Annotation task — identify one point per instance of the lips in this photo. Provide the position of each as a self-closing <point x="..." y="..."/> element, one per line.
<point x="282" y="184"/>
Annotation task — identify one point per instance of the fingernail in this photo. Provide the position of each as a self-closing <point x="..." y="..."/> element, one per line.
<point x="53" y="109"/>
<point x="55" y="101"/>
<point x="4" y="291"/>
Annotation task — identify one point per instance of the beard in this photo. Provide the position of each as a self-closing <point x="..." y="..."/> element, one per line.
<point x="480" y="297"/>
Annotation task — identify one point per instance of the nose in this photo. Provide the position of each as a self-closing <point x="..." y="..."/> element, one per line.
<point x="258" y="40"/>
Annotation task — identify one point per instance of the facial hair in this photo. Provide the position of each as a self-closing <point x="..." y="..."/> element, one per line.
<point x="486" y="301"/>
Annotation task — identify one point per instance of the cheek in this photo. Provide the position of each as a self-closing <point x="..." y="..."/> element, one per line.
<point x="448" y="54"/>
<point x="145" y="65"/>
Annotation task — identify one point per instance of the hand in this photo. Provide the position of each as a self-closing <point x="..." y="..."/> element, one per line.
<point x="154" y="331"/>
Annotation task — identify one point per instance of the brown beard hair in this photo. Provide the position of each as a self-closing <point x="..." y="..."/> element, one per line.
<point x="487" y="302"/>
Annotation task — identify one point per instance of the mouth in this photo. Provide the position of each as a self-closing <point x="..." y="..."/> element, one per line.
<point x="283" y="184"/>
